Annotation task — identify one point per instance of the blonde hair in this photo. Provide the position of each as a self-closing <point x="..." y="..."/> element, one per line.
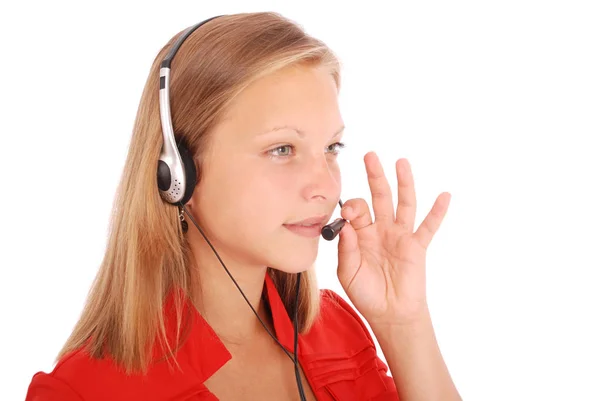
<point x="147" y="255"/>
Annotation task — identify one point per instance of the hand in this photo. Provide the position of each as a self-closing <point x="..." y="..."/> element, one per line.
<point x="382" y="263"/>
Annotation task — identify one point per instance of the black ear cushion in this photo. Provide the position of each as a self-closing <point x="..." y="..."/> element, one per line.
<point x="190" y="170"/>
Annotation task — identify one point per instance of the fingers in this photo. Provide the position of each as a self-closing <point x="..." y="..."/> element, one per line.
<point x="407" y="200"/>
<point x="357" y="212"/>
<point x="433" y="220"/>
<point x="383" y="204"/>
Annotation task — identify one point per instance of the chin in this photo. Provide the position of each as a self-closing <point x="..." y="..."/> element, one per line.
<point x="296" y="261"/>
<point x="292" y="253"/>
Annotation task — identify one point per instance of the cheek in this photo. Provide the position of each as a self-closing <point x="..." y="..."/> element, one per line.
<point x="253" y="195"/>
<point x="265" y="194"/>
<point x="335" y="172"/>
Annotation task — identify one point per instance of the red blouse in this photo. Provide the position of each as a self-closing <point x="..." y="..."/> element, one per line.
<point x="338" y="357"/>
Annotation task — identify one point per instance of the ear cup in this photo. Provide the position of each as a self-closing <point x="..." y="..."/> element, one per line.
<point x="189" y="168"/>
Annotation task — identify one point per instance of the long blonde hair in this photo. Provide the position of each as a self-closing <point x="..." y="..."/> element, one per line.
<point x="147" y="255"/>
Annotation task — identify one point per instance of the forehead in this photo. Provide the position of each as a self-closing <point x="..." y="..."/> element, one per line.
<point x="301" y="96"/>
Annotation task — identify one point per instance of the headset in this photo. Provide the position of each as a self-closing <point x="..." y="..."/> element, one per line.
<point x="176" y="179"/>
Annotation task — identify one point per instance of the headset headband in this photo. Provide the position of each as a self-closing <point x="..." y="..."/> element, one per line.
<point x="176" y="173"/>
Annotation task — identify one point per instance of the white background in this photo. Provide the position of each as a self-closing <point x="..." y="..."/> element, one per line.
<point x="497" y="103"/>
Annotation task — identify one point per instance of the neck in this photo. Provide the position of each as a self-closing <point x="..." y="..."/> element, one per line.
<point x="219" y="300"/>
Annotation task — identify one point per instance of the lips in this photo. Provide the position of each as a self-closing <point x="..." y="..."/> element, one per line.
<point x="312" y="221"/>
<point x="310" y="227"/>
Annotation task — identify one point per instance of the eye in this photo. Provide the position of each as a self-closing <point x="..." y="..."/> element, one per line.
<point x="287" y="150"/>
<point x="280" y="151"/>
<point x="335" y="148"/>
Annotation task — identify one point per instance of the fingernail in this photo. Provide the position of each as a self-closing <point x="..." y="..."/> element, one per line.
<point x="348" y="210"/>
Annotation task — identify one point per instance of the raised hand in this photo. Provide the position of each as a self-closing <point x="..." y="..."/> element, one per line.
<point x="382" y="261"/>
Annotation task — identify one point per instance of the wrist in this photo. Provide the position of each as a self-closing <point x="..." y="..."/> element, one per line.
<point x="417" y="316"/>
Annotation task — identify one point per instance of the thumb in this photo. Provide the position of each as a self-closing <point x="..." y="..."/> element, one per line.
<point x="348" y="254"/>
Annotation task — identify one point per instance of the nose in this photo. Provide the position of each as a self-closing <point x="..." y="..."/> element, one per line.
<point x="322" y="179"/>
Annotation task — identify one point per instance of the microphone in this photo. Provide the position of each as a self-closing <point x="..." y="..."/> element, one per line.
<point x="331" y="230"/>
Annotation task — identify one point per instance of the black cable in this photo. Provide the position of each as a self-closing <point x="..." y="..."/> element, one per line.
<point x="296" y="363"/>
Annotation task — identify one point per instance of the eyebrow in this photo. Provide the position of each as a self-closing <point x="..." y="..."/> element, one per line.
<point x="298" y="131"/>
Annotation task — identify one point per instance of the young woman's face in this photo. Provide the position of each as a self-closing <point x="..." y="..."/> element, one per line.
<point x="256" y="182"/>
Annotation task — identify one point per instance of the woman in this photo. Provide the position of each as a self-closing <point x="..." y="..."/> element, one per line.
<point x="253" y="104"/>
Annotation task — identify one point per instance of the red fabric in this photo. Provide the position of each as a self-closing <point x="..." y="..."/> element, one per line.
<point x="338" y="356"/>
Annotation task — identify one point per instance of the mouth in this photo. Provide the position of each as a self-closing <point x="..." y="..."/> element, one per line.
<point x="310" y="227"/>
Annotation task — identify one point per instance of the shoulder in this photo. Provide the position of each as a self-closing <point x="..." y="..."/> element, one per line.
<point x="78" y="377"/>
<point x="46" y="387"/>
<point x="63" y="382"/>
